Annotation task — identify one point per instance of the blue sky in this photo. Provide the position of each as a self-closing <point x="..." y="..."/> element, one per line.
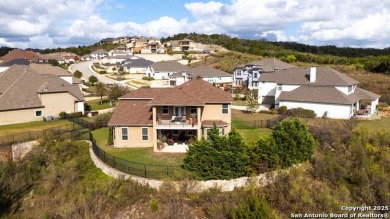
<point x="62" y="23"/>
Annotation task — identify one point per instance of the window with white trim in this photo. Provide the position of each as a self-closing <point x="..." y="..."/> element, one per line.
<point x="38" y="113"/>
<point x="125" y="135"/>
<point x="145" y="136"/>
<point x="165" y="110"/>
<point x="225" y="108"/>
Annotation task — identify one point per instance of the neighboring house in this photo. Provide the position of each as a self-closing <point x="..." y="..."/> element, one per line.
<point x="181" y="113"/>
<point x="22" y="54"/>
<point x="47" y="69"/>
<point x="106" y="40"/>
<point x="27" y="95"/>
<point x="115" y="60"/>
<point x="162" y="70"/>
<point x="138" y="66"/>
<point x="87" y="57"/>
<point x="99" y="54"/>
<point x="182" y="45"/>
<point x="7" y="65"/>
<point x="248" y="75"/>
<point x="70" y="59"/>
<point x="207" y="73"/>
<point x="327" y="92"/>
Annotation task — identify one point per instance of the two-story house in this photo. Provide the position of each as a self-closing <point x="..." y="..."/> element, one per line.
<point x="99" y="54"/>
<point x="209" y="74"/>
<point x="248" y="75"/>
<point x="327" y="92"/>
<point x="180" y="114"/>
<point x="35" y="92"/>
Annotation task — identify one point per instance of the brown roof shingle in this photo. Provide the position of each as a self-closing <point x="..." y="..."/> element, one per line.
<point x="20" y="54"/>
<point x="132" y="113"/>
<point x="169" y="66"/>
<point x="270" y="65"/>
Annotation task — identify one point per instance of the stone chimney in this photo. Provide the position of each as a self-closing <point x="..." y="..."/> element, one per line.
<point x="313" y="74"/>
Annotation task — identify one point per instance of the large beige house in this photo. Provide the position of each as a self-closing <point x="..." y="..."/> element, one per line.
<point x="35" y="92"/>
<point x="180" y="114"/>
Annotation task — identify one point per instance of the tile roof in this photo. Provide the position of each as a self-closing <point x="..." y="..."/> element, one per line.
<point x="325" y="94"/>
<point x="301" y="76"/>
<point x="20" y="54"/>
<point x="205" y="91"/>
<point x="132" y="113"/>
<point x="20" y="86"/>
<point x="169" y="66"/>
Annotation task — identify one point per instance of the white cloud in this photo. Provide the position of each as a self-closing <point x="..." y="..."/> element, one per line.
<point x="49" y="23"/>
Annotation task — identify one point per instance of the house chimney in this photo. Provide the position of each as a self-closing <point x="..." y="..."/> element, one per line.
<point x="313" y="74"/>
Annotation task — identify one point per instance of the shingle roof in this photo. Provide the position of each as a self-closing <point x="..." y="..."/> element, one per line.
<point x="132" y="113"/>
<point x="99" y="51"/>
<point x="20" y="86"/>
<point x="325" y="94"/>
<point x="269" y="65"/>
<point x="301" y="76"/>
<point x="47" y="69"/>
<point x="15" y="62"/>
<point x="135" y="107"/>
<point x="20" y="54"/>
<point x="169" y="66"/>
<point x="206" y="71"/>
<point x="138" y="63"/>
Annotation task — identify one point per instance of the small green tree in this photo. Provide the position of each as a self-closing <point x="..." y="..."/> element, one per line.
<point x="78" y="74"/>
<point x="117" y="91"/>
<point x="218" y="157"/>
<point x="100" y="91"/>
<point x="93" y="79"/>
<point x="251" y="103"/>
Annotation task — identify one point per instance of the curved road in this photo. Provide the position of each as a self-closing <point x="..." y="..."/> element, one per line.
<point x="85" y="68"/>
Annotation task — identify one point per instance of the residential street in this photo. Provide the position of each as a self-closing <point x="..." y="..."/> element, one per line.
<point x="85" y="68"/>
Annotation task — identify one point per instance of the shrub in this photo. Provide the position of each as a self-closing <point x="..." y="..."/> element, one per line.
<point x="302" y="113"/>
<point x="102" y="72"/>
<point x="62" y="115"/>
<point x="154" y="205"/>
<point x="272" y="106"/>
<point x="219" y="157"/>
<point x="236" y="97"/>
<point x="101" y="120"/>
<point x="76" y="114"/>
<point x="120" y="78"/>
<point x="148" y="78"/>
<point x="289" y="144"/>
<point x="282" y="110"/>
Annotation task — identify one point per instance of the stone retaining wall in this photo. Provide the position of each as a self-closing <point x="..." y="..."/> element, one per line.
<point x="194" y="186"/>
<point x="20" y="150"/>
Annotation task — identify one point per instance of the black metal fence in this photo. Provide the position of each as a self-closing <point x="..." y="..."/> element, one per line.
<point x="34" y="135"/>
<point x="253" y="124"/>
<point x="138" y="169"/>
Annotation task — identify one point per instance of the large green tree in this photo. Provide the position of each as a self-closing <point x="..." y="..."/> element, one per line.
<point x="117" y="91"/>
<point x="218" y="157"/>
<point x="100" y="91"/>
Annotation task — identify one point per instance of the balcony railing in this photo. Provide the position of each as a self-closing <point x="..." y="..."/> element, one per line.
<point x="177" y="122"/>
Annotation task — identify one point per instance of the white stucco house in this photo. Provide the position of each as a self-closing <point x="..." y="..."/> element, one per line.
<point x="329" y="93"/>
<point x="162" y="70"/>
<point x="207" y="73"/>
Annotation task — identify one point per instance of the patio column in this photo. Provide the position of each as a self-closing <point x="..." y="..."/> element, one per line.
<point x="154" y="136"/>
<point x="198" y="120"/>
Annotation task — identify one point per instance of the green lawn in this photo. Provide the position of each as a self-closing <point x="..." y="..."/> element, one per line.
<point x="375" y="125"/>
<point x="241" y="119"/>
<point x="252" y="135"/>
<point x="239" y="103"/>
<point x="31" y="126"/>
<point x="141" y="155"/>
<point x="95" y="104"/>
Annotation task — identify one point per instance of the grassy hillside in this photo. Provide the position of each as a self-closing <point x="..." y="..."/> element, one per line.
<point x="59" y="180"/>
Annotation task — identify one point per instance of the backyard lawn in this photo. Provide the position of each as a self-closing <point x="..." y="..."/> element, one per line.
<point x="375" y="125"/>
<point x="95" y="104"/>
<point x="141" y="155"/>
<point x="252" y="135"/>
<point x="31" y="126"/>
<point x="239" y="103"/>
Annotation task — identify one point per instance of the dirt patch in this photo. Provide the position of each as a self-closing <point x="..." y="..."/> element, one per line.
<point x="5" y="153"/>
